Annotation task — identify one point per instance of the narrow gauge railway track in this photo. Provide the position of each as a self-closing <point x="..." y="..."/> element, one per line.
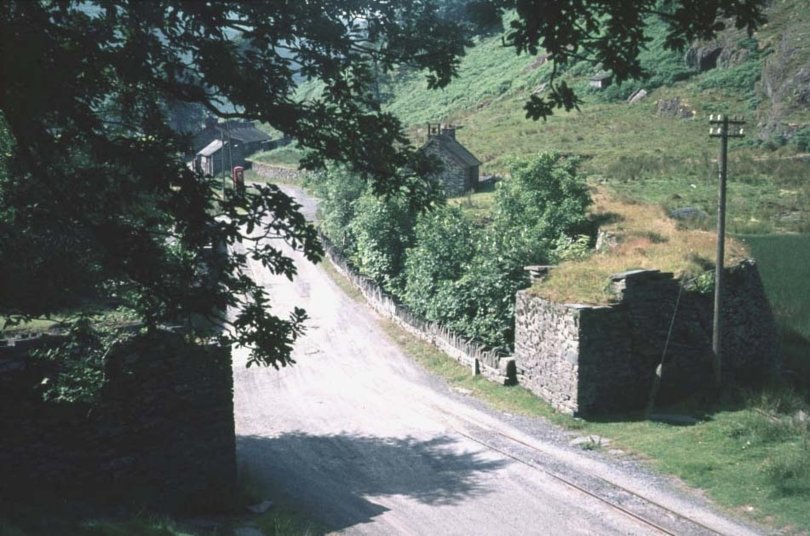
<point x="643" y="510"/>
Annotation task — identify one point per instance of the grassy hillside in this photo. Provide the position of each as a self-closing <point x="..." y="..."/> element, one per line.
<point x="783" y="262"/>
<point x="637" y="152"/>
<point x="640" y="154"/>
<point x="634" y="154"/>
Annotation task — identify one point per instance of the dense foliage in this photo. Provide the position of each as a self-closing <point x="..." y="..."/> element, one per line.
<point x="382" y="229"/>
<point x="373" y="231"/>
<point x="444" y="246"/>
<point x="455" y="272"/>
<point x="98" y="204"/>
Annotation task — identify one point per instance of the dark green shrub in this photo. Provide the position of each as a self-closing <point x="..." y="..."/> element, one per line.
<point x="802" y="139"/>
<point x="739" y="80"/>
<point x="382" y="229"/>
<point x="338" y="190"/>
<point x="444" y="246"/>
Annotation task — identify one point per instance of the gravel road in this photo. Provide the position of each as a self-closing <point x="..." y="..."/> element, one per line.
<point x="366" y="442"/>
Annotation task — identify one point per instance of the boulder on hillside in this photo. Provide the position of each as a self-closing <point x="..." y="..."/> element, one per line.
<point x="689" y="214"/>
<point x="636" y="96"/>
<point x="674" y="107"/>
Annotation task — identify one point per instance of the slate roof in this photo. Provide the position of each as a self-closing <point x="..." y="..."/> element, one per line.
<point x="211" y="148"/>
<point x="246" y="133"/>
<point x="457" y="150"/>
<point x="239" y="131"/>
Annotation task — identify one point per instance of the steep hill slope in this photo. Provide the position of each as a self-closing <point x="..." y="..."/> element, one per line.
<point x="656" y="149"/>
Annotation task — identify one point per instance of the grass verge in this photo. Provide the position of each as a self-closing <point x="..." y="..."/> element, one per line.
<point x="288" y="156"/>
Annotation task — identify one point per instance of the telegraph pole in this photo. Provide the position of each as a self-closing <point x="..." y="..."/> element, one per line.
<point x="722" y="131"/>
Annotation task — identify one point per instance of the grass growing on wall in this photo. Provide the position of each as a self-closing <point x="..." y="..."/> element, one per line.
<point x="646" y="239"/>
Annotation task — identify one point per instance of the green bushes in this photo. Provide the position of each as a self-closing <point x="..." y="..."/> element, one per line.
<point x="448" y="268"/>
<point x="74" y="369"/>
<point x="444" y="246"/>
<point x="372" y="231"/>
<point x="382" y="230"/>
<point x="738" y="80"/>
<point x="338" y="191"/>
<point x="802" y="139"/>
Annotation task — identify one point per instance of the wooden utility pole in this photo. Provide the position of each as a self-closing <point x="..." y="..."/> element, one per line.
<point x="722" y="131"/>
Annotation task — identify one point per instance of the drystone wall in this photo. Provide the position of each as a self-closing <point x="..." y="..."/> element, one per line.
<point x="491" y="364"/>
<point x="161" y="432"/>
<point x="273" y="173"/>
<point x="589" y="360"/>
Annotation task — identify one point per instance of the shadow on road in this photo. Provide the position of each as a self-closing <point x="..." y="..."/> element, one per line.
<point x="331" y="476"/>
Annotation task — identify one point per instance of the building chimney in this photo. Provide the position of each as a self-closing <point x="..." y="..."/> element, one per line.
<point x="449" y="131"/>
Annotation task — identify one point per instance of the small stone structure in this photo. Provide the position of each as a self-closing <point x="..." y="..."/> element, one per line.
<point x="674" y="107"/>
<point x="588" y="360"/>
<point x="161" y="432"/>
<point x="459" y="173"/>
<point x="242" y="133"/>
<point x="637" y="96"/>
<point x="600" y="80"/>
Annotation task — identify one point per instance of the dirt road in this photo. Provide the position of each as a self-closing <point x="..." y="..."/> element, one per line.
<point x="366" y="442"/>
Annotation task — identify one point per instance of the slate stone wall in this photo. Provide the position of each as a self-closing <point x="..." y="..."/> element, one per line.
<point x="546" y="329"/>
<point x="590" y="360"/>
<point x="161" y="432"/>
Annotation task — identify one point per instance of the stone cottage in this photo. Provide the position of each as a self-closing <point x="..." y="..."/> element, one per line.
<point x="219" y="156"/>
<point x="222" y="145"/>
<point x="242" y="133"/>
<point x="460" y="168"/>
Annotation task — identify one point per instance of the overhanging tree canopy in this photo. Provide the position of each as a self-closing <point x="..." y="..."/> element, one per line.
<point x="95" y="200"/>
<point x="94" y="196"/>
